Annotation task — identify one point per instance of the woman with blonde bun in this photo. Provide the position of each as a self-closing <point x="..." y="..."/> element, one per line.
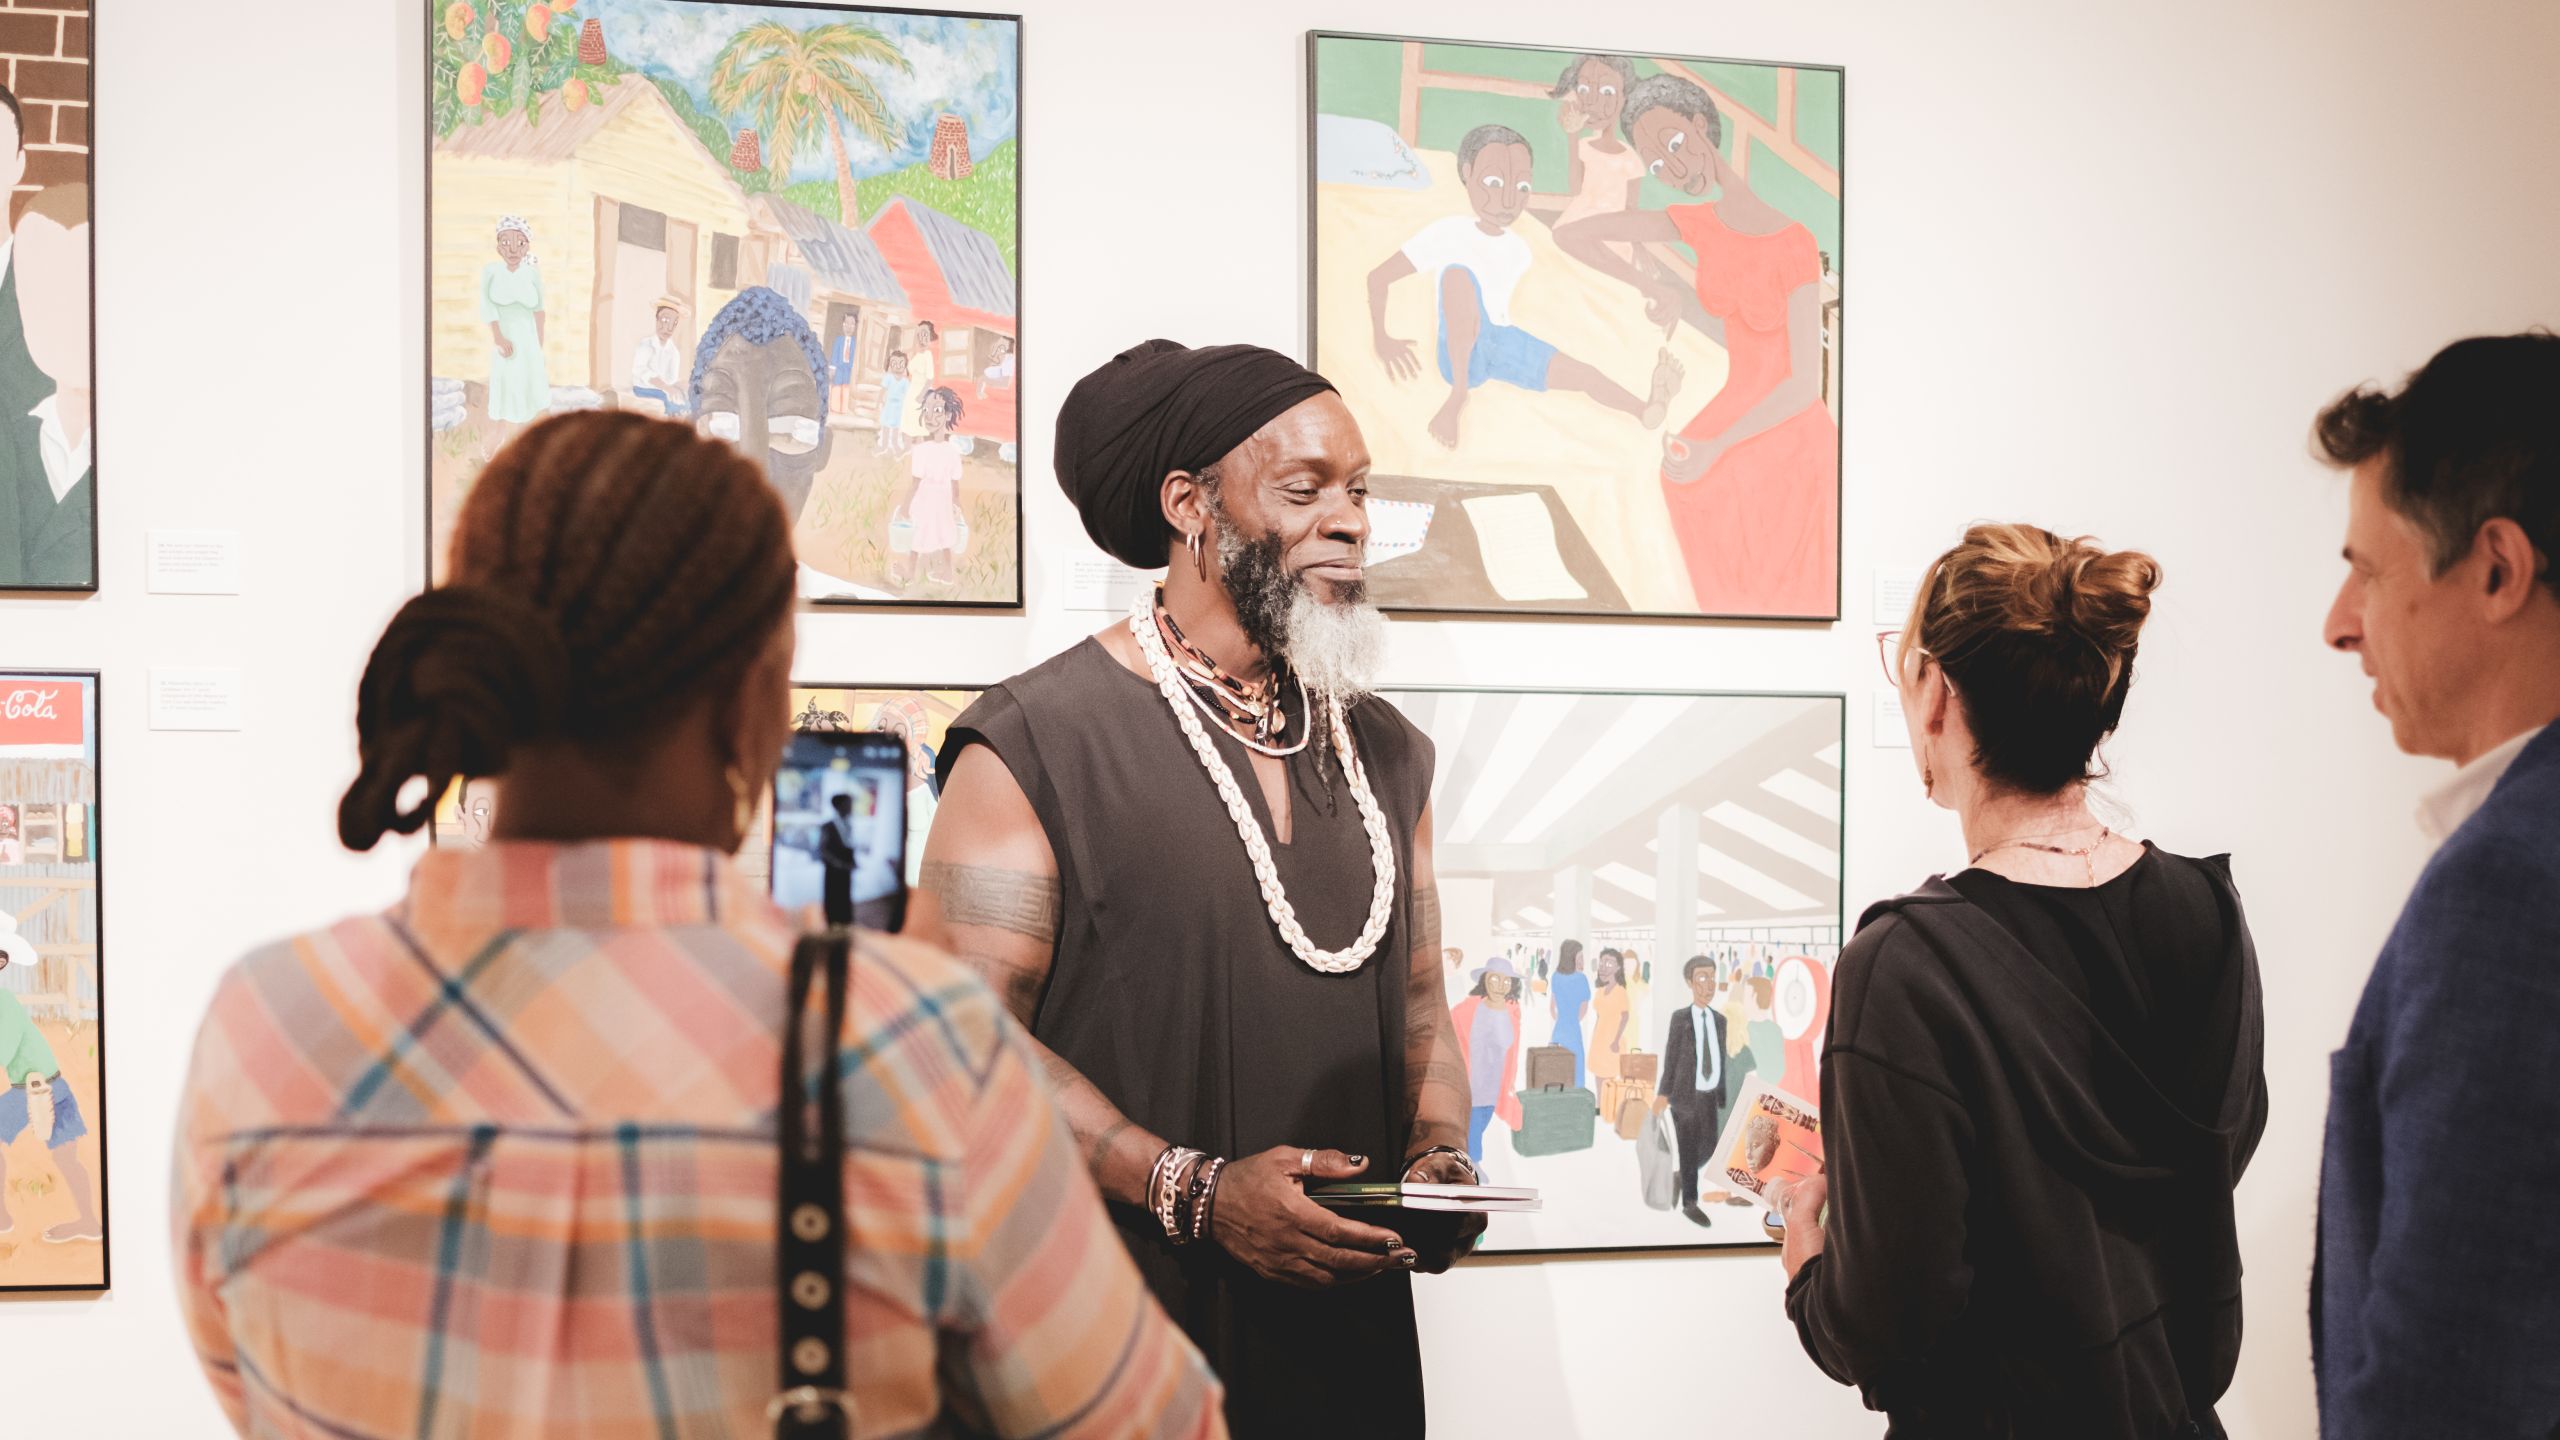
<point x="2042" y="1076"/>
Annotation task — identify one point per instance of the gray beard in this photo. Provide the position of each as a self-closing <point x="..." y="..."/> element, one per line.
<point x="1335" y="648"/>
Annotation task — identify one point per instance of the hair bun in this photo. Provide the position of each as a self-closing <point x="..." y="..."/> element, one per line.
<point x="462" y="675"/>
<point x="2105" y="595"/>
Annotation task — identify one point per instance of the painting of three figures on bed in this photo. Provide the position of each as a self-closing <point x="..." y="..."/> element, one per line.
<point x="1586" y="309"/>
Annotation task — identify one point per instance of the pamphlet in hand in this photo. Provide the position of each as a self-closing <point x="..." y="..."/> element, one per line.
<point x="1417" y="1195"/>
<point x="1774" y="1139"/>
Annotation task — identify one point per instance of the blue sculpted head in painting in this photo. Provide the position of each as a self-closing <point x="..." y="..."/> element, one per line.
<point x="759" y="382"/>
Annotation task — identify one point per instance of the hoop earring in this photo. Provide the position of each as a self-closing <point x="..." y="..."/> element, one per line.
<point x="742" y="812"/>
<point x="1199" y="555"/>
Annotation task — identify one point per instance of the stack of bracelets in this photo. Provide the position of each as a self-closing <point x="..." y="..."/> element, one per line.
<point x="1182" y="1190"/>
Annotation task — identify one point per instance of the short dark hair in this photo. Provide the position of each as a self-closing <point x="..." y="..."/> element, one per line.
<point x="2472" y="436"/>
<point x="17" y="114"/>
<point x="1485" y="135"/>
<point x="1625" y="67"/>
<point x="1671" y="92"/>
<point x="842" y="800"/>
<point x="1696" y="963"/>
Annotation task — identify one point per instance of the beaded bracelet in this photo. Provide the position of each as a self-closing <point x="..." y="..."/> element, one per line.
<point x="1209" y="1197"/>
<point x="1204" y="1189"/>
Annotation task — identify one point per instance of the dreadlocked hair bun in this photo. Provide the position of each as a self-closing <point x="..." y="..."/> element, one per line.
<point x="608" y="569"/>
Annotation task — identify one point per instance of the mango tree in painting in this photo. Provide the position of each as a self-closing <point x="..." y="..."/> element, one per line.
<point x="492" y="56"/>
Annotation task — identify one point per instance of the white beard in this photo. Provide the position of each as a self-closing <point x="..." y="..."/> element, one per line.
<point x="1335" y="649"/>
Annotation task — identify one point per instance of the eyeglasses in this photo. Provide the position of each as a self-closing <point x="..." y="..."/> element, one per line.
<point x="1888" y="644"/>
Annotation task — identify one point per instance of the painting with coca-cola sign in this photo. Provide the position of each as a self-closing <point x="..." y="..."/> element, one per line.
<point x="53" y="1232"/>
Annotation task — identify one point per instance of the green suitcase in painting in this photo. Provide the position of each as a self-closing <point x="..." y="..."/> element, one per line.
<point x="1553" y="1122"/>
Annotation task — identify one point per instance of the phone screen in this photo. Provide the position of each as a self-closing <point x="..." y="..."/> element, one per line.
<point x="840" y="827"/>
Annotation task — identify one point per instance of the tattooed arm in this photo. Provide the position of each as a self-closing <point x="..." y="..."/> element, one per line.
<point x="990" y="895"/>
<point x="1435" y="1071"/>
<point x="1435" y="1074"/>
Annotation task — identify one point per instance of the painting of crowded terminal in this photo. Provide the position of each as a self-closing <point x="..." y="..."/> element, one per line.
<point x="1586" y="308"/>
<point x="53" y="1151"/>
<point x="792" y="227"/>
<point x="1622" y="876"/>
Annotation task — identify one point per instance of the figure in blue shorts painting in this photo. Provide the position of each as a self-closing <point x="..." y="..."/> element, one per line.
<point x="38" y="1094"/>
<point x="1476" y="264"/>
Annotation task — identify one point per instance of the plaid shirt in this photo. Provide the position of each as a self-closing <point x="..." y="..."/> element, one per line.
<point x="501" y="1162"/>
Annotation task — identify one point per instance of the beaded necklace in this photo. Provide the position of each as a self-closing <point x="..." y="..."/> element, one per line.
<point x="1145" y="627"/>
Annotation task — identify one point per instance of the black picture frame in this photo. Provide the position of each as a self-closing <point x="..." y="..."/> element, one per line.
<point x="89" y="177"/>
<point x="96" y="681"/>
<point x="1314" y="42"/>
<point x="1021" y="390"/>
<point x="1840" y="699"/>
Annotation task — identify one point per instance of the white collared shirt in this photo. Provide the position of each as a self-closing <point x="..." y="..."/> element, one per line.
<point x="2446" y="807"/>
<point x="64" y="462"/>
<point x="656" y="365"/>
<point x="1710" y="1054"/>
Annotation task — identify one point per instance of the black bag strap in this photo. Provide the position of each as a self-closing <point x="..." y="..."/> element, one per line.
<point x="812" y="1401"/>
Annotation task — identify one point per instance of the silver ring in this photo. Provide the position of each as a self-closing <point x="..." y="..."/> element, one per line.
<point x="1307" y="1162"/>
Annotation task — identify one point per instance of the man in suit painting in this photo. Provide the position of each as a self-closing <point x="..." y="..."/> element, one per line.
<point x="47" y="494"/>
<point x="17" y="372"/>
<point x="836" y="852"/>
<point x="1693" y="1066"/>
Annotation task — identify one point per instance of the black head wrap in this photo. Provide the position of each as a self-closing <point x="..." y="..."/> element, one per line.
<point x="1157" y="408"/>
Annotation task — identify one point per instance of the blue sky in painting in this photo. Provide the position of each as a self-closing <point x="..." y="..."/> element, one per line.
<point x="961" y="64"/>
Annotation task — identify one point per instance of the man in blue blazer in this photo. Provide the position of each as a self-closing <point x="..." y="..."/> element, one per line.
<point x="2435" y="1303"/>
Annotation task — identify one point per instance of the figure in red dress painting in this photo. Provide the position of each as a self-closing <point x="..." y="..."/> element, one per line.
<point x="1752" y="481"/>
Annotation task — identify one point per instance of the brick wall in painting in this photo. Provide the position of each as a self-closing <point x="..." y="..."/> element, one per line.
<point x="44" y="60"/>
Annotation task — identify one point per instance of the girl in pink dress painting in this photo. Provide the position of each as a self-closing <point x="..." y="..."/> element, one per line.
<point x="930" y="500"/>
<point x="1753" y="480"/>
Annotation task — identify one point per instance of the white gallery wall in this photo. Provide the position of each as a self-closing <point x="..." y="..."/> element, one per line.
<point x="2104" y="260"/>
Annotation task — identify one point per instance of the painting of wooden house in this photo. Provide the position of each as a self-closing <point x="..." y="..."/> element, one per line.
<point x="955" y="277"/>
<point x="830" y="272"/>
<point x="626" y="205"/>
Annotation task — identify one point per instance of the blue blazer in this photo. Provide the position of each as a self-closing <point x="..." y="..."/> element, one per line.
<point x="2435" y="1302"/>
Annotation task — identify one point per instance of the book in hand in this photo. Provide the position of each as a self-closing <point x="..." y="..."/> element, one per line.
<point x="1419" y="1195"/>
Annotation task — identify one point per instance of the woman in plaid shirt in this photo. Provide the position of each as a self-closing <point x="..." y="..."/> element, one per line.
<point x="501" y="1161"/>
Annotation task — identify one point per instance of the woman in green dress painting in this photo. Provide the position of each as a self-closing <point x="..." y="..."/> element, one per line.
<point x="511" y="303"/>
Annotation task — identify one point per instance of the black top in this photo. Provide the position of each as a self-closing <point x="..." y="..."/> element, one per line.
<point x="2036" y="1102"/>
<point x="1172" y="992"/>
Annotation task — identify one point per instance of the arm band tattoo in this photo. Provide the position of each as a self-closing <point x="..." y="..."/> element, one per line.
<point x="1010" y="900"/>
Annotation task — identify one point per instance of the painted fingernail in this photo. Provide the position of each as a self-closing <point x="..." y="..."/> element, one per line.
<point x="1406" y="1258"/>
<point x="1360" y="1160"/>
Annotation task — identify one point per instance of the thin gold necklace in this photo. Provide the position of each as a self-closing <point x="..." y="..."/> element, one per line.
<point x="2086" y="854"/>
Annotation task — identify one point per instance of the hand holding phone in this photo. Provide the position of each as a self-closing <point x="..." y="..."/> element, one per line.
<point x="840" y="827"/>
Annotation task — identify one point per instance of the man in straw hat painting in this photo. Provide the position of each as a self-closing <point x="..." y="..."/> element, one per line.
<point x="658" y="369"/>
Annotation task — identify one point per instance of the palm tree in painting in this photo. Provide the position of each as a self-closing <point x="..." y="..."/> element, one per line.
<point x="800" y="84"/>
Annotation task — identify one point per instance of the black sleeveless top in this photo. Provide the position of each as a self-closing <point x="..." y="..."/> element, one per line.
<point x="1175" y="995"/>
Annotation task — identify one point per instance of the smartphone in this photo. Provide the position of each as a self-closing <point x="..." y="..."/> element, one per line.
<point x="840" y="827"/>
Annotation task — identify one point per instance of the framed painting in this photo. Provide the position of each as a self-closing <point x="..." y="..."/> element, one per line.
<point x="53" y="1115"/>
<point x="48" y="469"/>
<point x="1586" y="308"/>
<point x="1611" y="866"/>
<point x="793" y="226"/>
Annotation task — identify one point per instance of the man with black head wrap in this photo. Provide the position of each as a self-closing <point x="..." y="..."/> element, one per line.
<point x="1193" y="853"/>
